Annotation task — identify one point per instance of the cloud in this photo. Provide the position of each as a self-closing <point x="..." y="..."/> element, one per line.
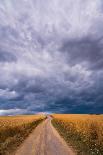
<point x="7" y="56"/>
<point x="85" y="51"/>
<point x="51" y="55"/>
<point x="6" y="94"/>
<point x="12" y="112"/>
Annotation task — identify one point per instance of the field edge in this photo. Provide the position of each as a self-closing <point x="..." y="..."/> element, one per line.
<point x="10" y="146"/>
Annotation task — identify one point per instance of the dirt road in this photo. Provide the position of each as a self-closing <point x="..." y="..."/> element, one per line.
<point x="44" y="140"/>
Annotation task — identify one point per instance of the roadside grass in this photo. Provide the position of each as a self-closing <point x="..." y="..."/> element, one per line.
<point x="14" y="130"/>
<point x="85" y="135"/>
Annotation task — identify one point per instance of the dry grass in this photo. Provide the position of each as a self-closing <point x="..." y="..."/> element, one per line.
<point x="84" y="132"/>
<point x="14" y="129"/>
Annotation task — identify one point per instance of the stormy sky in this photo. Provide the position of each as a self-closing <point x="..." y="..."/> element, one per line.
<point x="51" y="56"/>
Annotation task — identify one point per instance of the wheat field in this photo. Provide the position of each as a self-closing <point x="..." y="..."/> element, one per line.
<point x="14" y="129"/>
<point x="83" y="132"/>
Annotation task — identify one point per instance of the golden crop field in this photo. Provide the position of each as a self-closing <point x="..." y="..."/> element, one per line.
<point x="14" y="129"/>
<point x="13" y="121"/>
<point x="83" y="132"/>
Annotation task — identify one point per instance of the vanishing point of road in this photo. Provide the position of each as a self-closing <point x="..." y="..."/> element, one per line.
<point x="44" y="140"/>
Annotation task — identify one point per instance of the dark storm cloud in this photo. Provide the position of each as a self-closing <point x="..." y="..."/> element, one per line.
<point x="85" y="50"/>
<point x="7" y="32"/>
<point x="51" y="56"/>
<point x="7" y="56"/>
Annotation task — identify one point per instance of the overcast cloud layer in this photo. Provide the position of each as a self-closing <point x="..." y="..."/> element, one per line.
<point x="51" y="56"/>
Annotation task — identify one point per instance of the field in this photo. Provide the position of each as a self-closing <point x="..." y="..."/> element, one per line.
<point x="83" y="132"/>
<point x="14" y="129"/>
